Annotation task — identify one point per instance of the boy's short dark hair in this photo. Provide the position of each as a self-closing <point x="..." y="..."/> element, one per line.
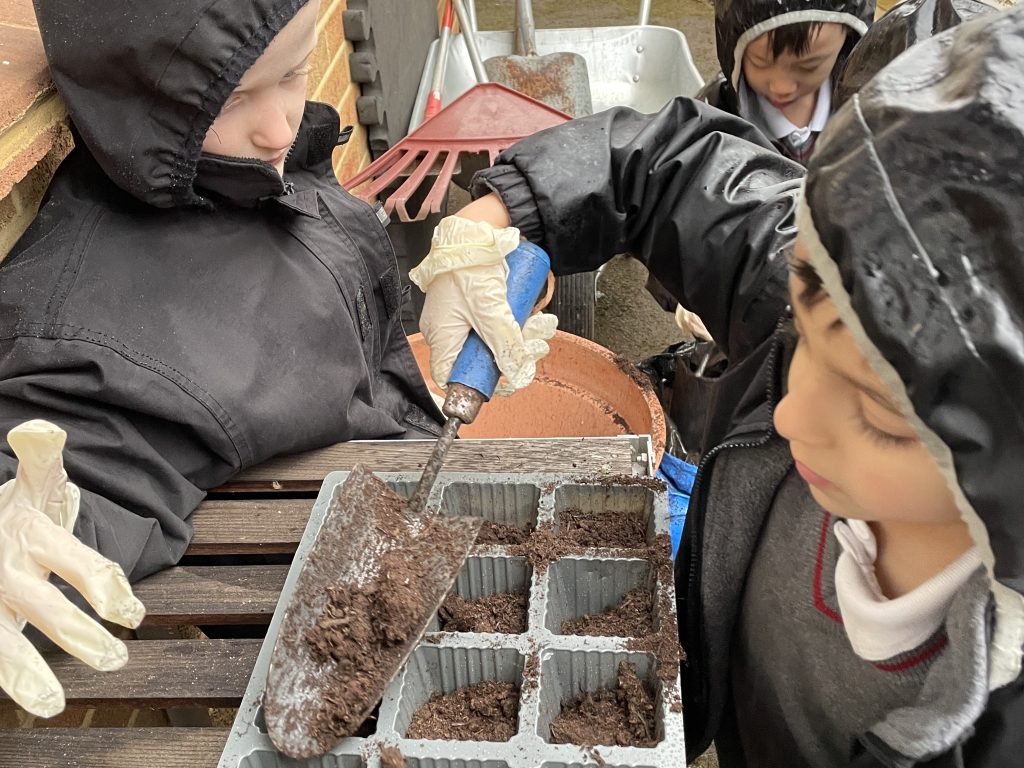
<point x="793" y="37"/>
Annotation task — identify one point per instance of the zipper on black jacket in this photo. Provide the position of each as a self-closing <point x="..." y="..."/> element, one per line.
<point x="693" y="580"/>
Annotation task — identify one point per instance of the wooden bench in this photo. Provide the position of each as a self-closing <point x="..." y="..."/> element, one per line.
<point x="262" y="512"/>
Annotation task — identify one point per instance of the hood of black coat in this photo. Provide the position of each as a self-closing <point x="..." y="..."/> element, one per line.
<point x="143" y="81"/>
<point x="740" y="22"/>
<point x="907" y="24"/>
<point x="916" y="196"/>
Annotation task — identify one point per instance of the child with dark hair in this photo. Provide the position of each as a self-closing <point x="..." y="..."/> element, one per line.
<point x="779" y="58"/>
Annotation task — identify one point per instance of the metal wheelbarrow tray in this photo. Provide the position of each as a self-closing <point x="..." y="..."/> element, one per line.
<point x="548" y="667"/>
<point x="642" y="67"/>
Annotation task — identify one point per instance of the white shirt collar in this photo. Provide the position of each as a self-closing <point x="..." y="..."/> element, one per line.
<point x="880" y="628"/>
<point x="781" y="127"/>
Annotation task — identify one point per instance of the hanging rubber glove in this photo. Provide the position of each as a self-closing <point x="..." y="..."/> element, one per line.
<point x="37" y="514"/>
<point x="464" y="278"/>
<point x="691" y="322"/>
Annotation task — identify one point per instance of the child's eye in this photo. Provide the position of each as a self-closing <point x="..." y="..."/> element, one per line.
<point x="296" y="73"/>
<point x="878" y="435"/>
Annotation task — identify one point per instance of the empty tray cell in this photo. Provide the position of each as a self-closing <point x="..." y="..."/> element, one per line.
<point x="605" y="515"/>
<point x="433" y="671"/>
<point x="509" y="510"/>
<point x="579" y="587"/>
<point x="590" y="765"/>
<point x="610" y="715"/>
<point x="268" y="758"/>
<point x="430" y="762"/>
<point x="491" y="595"/>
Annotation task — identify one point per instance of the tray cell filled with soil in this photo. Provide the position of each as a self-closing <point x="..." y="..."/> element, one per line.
<point x="605" y="516"/>
<point x="607" y="598"/>
<point x="509" y="510"/>
<point x="598" y="698"/>
<point x="462" y="694"/>
<point x="491" y="594"/>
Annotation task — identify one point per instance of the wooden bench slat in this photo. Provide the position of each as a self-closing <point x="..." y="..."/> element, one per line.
<point x="305" y="471"/>
<point x="249" y="526"/>
<point x="110" y="747"/>
<point x="212" y="594"/>
<point x="162" y="673"/>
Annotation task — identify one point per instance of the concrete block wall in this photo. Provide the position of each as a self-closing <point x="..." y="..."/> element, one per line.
<point x="34" y="134"/>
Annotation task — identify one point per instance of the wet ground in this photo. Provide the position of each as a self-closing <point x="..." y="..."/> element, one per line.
<point x="628" y="321"/>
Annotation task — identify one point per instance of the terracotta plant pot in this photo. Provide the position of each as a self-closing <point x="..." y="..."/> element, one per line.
<point x="581" y="390"/>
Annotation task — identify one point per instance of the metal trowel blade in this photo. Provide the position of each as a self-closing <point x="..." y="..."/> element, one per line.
<point x="359" y="528"/>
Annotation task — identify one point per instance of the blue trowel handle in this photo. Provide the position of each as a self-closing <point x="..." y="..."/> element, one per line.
<point x="528" y="267"/>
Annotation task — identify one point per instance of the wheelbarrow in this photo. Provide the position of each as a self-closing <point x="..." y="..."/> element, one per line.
<point x="638" y="66"/>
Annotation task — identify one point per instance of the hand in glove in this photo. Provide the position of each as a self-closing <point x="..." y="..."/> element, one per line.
<point x="37" y="514"/>
<point x="464" y="277"/>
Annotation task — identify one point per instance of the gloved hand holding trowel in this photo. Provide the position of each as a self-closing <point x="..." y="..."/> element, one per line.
<point x="464" y="278"/>
<point x="37" y="514"/>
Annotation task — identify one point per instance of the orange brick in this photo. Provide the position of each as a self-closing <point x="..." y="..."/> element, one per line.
<point x="332" y="89"/>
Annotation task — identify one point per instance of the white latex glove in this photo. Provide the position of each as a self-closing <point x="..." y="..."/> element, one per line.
<point x="464" y="278"/>
<point x="37" y="514"/>
<point x="688" y="321"/>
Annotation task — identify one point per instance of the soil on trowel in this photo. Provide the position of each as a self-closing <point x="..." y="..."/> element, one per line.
<point x="486" y="711"/>
<point x="499" y="533"/>
<point x="620" y="716"/>
<point x="603" y="529"/>
<point x="392" y="757"/>
<point x="504" y="612"/>
<point x="630" y="618"/>
<point x="363" y="632"/>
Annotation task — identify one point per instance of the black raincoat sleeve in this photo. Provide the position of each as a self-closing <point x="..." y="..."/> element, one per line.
<point x="138" y="472"/>
<point x="696" y="194"/>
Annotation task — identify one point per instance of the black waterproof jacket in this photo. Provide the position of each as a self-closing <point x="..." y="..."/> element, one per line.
<point x="184" y="316"/>
<point x="739" y="22"/>
<point x="694" y="194"/>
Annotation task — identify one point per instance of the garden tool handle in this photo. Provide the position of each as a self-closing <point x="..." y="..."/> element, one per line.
<point x="526" y="30"/>
<point x="528" y="267"/>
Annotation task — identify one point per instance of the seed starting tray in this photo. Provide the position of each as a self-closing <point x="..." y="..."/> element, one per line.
<point x="548" y="667"/>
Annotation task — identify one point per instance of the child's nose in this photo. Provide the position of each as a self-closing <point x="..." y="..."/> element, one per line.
<point x="781" y="86"/>
<point x="273" y="130"/>
<point x="798" y="416"/>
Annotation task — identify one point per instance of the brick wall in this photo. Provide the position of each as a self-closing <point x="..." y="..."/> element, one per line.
<point x="34" y="136"/>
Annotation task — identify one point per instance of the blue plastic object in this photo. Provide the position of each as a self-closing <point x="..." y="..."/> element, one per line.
<point x="678" y="476"/>
<point x="528" y="267"/>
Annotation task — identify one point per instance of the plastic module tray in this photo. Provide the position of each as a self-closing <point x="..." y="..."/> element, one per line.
<point x="548" y="667"/>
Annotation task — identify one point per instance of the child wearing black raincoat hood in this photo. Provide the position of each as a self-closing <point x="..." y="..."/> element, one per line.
<point x="197" y="293"/>
<point x="779" y="61"/>
<point x="851" y="579"/>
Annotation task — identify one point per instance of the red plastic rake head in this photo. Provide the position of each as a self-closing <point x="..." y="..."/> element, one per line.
<point x="487" y="118"/>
